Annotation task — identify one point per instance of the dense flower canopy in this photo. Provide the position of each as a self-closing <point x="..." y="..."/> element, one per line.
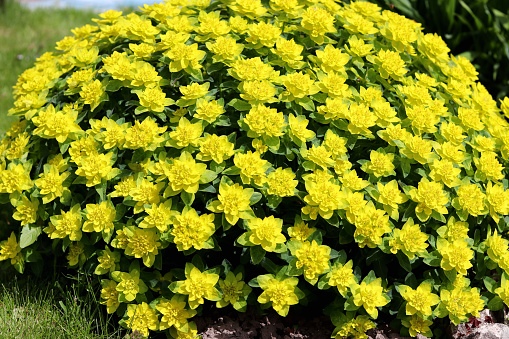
<point x="302" y="142"/>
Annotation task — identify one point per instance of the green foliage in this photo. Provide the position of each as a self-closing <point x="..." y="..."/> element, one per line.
<point x="254" y="154"/>
<point x="476" y="29"/>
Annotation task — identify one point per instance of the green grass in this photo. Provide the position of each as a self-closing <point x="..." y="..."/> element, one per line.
<point x="26" y="34"/>
<point x="33" y="310"/>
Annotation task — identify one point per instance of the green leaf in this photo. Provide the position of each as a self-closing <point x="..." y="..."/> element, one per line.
<point x="273" y="201"/>
<point x="404" y="261"/>
<point x="207" y="176"/>
<point x="29" y="235"/>
<point x="187" y="198"/>
<point x="490" y="284"/>
<point x="306" y="103"/>
<point x="350" y="306"/>
<point x="239" y="105"/>
<point x="496" y="304"/>
<point x="255" y="197"/>
<point x="257" y="253"/>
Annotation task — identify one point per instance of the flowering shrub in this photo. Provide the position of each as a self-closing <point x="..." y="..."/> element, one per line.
<point x="262" y="154"/>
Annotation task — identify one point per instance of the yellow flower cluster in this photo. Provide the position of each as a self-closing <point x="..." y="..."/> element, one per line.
<point x="288" y="137"/>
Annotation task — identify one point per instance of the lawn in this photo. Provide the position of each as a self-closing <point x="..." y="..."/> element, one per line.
<point x="26" y="34"/>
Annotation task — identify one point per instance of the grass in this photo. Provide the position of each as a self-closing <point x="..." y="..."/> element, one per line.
<point x="26" y="34"/>
<point x="30" y="311"/>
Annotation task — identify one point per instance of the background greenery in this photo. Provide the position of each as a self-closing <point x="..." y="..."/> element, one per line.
<point x="476" y="29"/>
<point x="26" y="34"/>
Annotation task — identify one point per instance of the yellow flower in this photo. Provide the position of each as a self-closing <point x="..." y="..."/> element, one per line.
<point x="10" y="249"/>
<point x="429" y="197"/>
<point x="489" y="167"/>
<point x="290" y="52"/>
<point x="313" y="258"/>
<point x="108" y="261"/>
<point x="342" y="277"/>
<point x="444" y="171"/>
<point x="370" y="296"/>
<point x="238" y="24"/>
<point x="389" y="64"/>
<point x="93" y="94"/>
<point x="262" y="34"/>
<point x="192" y="230"/>
<point x="380" y="165"/>
<point x="434" y="47"/>
<point x="145" y="135"/>
<point x="100" y="217"/>
<point x="332" y="59"/>
<point x="129" y="284"/>
<point x="282" y="182"/>
<point x="298" y="130"/>
<point x="280" y="293"/>
<point x="26" y="210"/>
<point x="184" y="174"/>
<point x="56" y="124"/>
<point x="455" y="230"/>
<point x="370" y="225"/>
<point x="145" y="192"/>
<point x="455" y="255"/>
<point x="124" y="187"/>
<point x="497" y="246"/>
<point x="390" y="197"/>
<point x="208" y="110"/>
<point x="109" y="295"/>
<point x="216" y="148"/>
<point x="249" y="8"/>
<point x="420" y="300"/>
<point x="234" y="291"/>
<point x="252" y="167"/>
<point x="142" y="243"/>
<point x="298" y="85"/>
<point x="257" y="92"/>
<point x="326" y="196"/>
<point x="66" y="224"/>
<point x="194" y="91"/>
<point x="159" y="216"/>
<point x="360" y="119"/>
<point x="199" y="286"/>
<point x="335" y="144"/>
<point x="300" y="230"/>
<point x="317" y="22"/>
<point x="76" y="254"/>
<point x="498" y="200"/>
<point x="141" y="318"/>
<point x="185" y="134"/>
<point x="185" y="57"/>
<point x="174" y="313"/>
<point x="471" y="200"/>
<point x="252" y="69"/>
<point x="461" y="302"/>
<point x="409" y="239"/>
<point x="153" y="99"/>
<point x="233" y="201"/>
<point x="265" y="122"/>
<point x="266" y="232"/>
<point x="334" y="85"/>
<point x="352" y="181"/>
<point x="95" y="167"/>
<point x="417" y="324"/>
<point x="358" y="47"/>
<point x="319" y="155"/>
<point x="225" y="49"/>
<point x="503" y="291"/>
